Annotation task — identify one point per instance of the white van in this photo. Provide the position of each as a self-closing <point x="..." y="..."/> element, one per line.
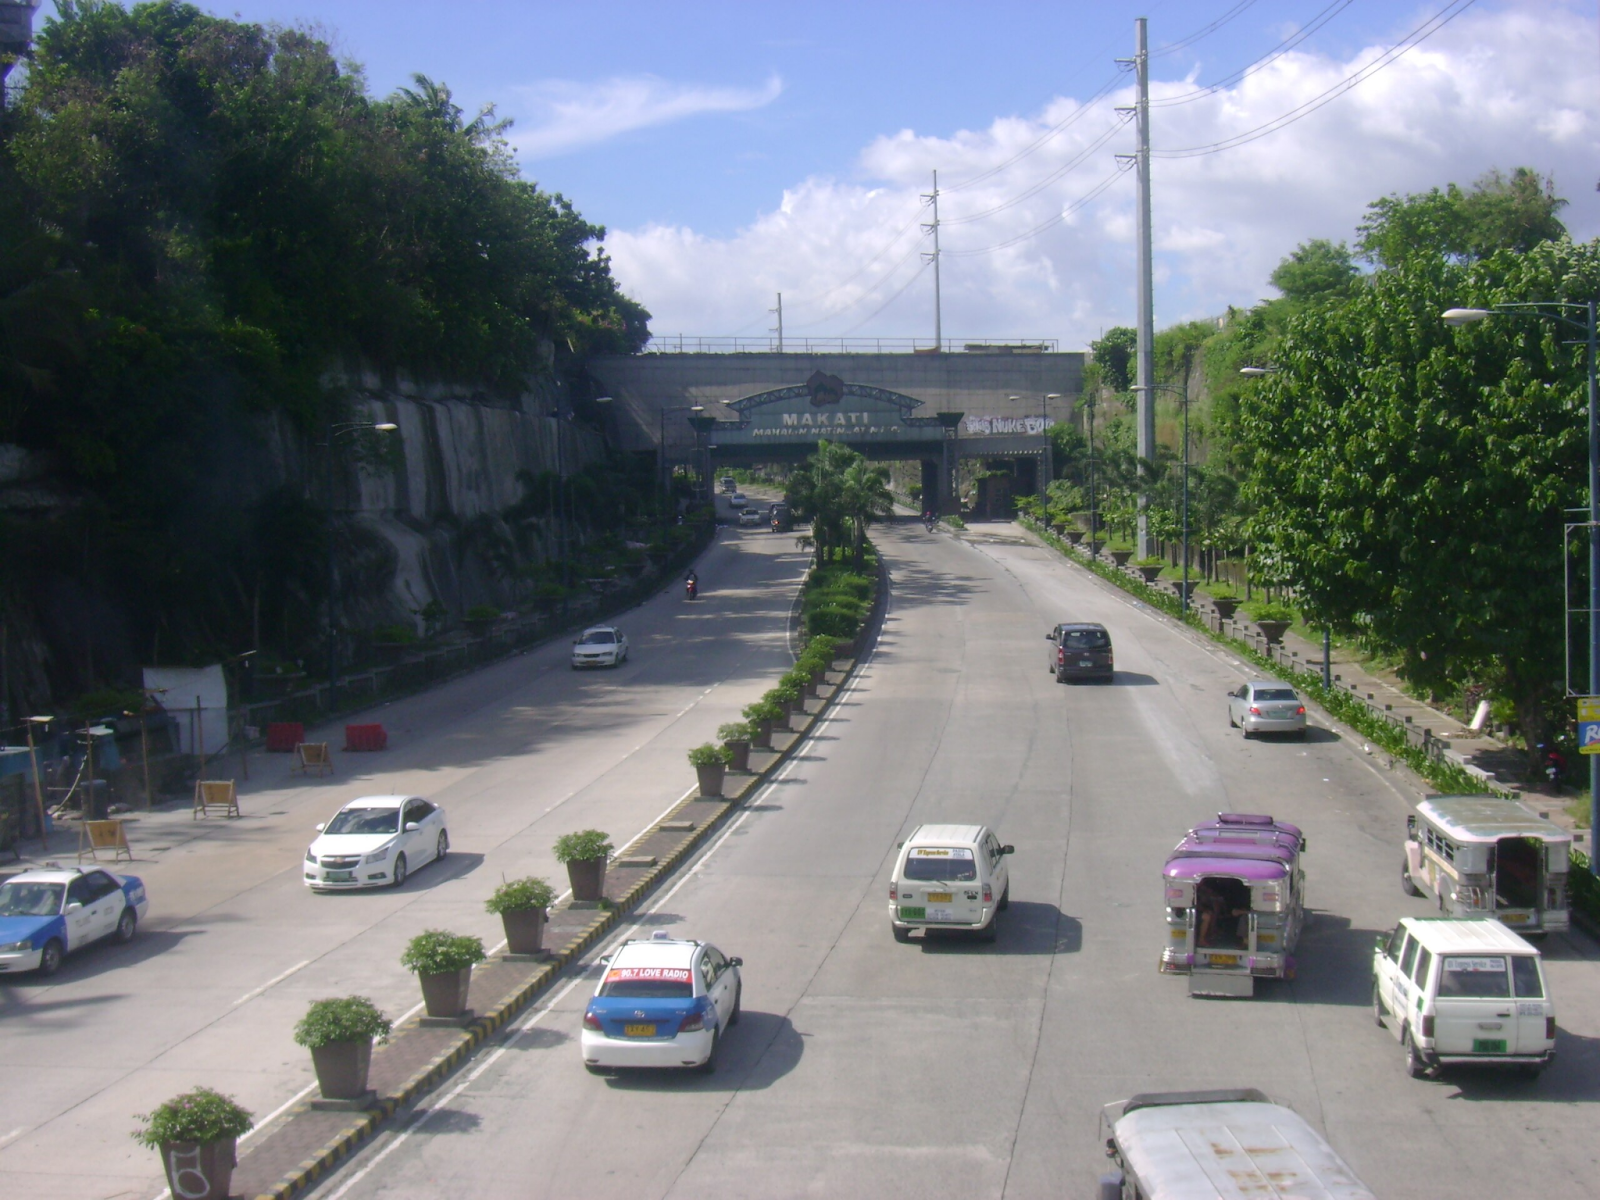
<point x="949" y="877"/>
<point x="1463" y="991"/>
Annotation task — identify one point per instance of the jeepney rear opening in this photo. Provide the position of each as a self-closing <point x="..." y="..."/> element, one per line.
<point x="1518" y="872"/>
<point x="1222" y="912"/>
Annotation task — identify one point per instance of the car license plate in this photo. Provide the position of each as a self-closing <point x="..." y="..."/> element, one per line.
<point x="1223" y="960"/>
<point x="940" y="897"/>
<point x="1488" y="1045"/>
<point x="910" y="912"/>
<point x="1085" y="662"/>
<point x="941" y="914"/>
<point x="639" y="1030"/>
<point x="341" y="876"/>
<point x="1514" y="918"/>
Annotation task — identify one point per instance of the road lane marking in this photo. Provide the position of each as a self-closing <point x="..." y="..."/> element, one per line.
<point x="422" y="1116"/>
<point x="273" y="982"/>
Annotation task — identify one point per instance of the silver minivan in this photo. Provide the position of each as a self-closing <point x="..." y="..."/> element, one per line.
<point x="949" y="877"/>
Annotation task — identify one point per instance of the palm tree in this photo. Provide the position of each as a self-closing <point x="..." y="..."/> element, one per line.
<point x="865" y="495"/>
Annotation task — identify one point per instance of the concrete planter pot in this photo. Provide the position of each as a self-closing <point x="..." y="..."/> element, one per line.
<point x="1121" y="557"/>
<point x="445" y="994"/>
<point x="200" y="1171"/>
<point x="1095" y="545"/>
<point x="1184" y="589"/>
<point x="711" y="776"/>
<point x="740" y="749"/>
<point x="761" y="739"/>
<point x="1074" y="536"/>
<point x="524" y="930"/>
<point x="1273" y="631"/>
<point x="588" y="878"/>
<point x="342" y="1069"/>
<point x="1150" y="574"/>
<point x="1225" y="608"/>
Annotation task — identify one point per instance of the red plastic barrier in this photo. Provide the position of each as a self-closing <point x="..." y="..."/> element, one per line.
<point x="365" y="737"/>
<point x="284" y="736"/>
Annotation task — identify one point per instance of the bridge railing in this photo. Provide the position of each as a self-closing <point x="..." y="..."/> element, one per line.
<point x="684" y="344"/>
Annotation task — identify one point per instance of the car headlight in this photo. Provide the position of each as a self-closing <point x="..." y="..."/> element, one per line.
<point x="310" y="857"/>
<point x="378" y="855"/>
<point x="16" y="947"/>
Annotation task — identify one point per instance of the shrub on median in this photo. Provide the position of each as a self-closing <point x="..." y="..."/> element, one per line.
<point x="734" y="731"/>
<point x="521" y="895"/>
<point x="439" y="952"/>
<point x="195" y="1117"/>
<point x="709" y="754"/>
<point x="345" y="1019"/>
<point x="763" y="710"/>
<point x="583" y="846"/>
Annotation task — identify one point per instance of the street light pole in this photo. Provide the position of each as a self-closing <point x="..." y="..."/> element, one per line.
<point x="1557" y="310"/>
<point x="1094" y="519"/>
<point x="336" y="431"/>
<point x="1183" y="399"/>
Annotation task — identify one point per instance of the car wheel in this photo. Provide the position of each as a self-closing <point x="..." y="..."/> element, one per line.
<point x="901" y="934"/>
<point x="399" y="870"/>
<point x="1245" y="730"/>
<point x="1377" y="1005"/>
<point x="444" y="844"/>
<point x="1415" y="1066"/>
<point x="709" y="1067"/>
<point x="1532" y="1070"/>
<point x="1232" y="724"/>
<point x="1303" y="734"/>
<point x="990" y="931"/>
<point x="126" y="924"/>
<point x="1005" y="897"/>
<point x="738" y="999"/>
<point x="594" y="1069"/>
<point x="50" y="958"/>
<point x="1406" y="884"/>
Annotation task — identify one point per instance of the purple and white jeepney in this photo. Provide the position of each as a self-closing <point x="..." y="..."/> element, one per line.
<point x="1235" y="897"/>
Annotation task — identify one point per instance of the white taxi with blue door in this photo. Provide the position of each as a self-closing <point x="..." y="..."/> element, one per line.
<point x="661" y="1002"/>
<point x="47" y="914"/>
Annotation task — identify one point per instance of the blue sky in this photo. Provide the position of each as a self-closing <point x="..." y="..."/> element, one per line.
<point x="737" y="150"/>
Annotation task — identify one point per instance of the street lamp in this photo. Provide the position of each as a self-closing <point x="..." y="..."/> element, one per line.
<point x="1094" y="519"/>
<point x="338" y="431"/>
<point x="1559" y="310"/>
<point x="661" y="437"/>
<point x="38" y="785"/>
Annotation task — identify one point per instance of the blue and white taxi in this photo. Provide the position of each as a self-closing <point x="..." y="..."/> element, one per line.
<point x="661" y="1002"/>
<point x="46" y="914"/>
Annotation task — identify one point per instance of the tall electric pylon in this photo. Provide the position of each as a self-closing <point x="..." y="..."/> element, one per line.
<point x="938" y="317"/>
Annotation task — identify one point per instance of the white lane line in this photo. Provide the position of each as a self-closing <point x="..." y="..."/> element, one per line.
<point x="15" y="1133"/>
<point x="422" y="1116"/>
<point x="275" y="980"/>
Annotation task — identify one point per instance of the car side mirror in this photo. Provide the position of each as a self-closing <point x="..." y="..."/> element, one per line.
<point x="320" y="828"/>
<point x="1049" y="637"/>
<point x="736" y="962"/>
<point x="412" y="827"/>
<point x="1008" y="849"/>
<point x="74" y="906"/>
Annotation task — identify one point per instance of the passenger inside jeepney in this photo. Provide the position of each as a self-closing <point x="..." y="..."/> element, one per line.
<point x="1223" y="908"/>
<point x="1516" y="872"/>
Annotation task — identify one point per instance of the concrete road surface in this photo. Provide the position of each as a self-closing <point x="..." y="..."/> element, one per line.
<point x="951" y="1068"/>
<point x="235" y="947"/>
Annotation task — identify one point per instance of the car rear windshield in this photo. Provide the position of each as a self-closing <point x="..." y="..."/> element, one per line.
<point x="365" y="820"/>
<point x="599" y="637"/>
<point x="1085" y="639"/>
<point x="941" y="863"/>
<point x="1481" y="975"/>
<point x="648" y="983"/>
<point x="1276" y="694"/>
<point x="30" y="899"/>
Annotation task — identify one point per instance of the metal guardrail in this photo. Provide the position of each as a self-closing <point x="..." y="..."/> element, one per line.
<point x="683" y="344"/>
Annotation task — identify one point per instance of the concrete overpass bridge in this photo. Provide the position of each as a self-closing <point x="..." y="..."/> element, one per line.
<point x="748" y="409"/>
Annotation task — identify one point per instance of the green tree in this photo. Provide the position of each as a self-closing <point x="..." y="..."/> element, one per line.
<point x="1317" y="270"/>
<point x="1515" y="212"/>
<point x="865" y="497"/>
<point x="1113" y="355"/>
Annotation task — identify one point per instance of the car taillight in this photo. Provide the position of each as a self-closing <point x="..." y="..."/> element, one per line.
<point x="1061" y="656"/>
<point x="1301" y="711"/>
<point x="894" y="892"/>
<point x="1427" y="1027"/>
<point x="1254" y="711"/>
<point x="694" y="1022"/>
<point x="1550" y="1029"/>
<point x="592" y="1021"/>
<point x="988" y="894"/>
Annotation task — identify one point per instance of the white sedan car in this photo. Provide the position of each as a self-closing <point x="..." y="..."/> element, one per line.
<point x="600" y="646"/>
<point x="376" y="841"/>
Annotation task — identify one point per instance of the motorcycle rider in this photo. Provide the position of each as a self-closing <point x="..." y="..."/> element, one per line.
<point x="691" y="582"/>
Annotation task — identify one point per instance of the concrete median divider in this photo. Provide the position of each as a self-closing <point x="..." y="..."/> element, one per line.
<point x="295" y="1150"/>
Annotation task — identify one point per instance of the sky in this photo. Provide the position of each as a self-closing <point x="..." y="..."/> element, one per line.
<point x="734" y="151"/>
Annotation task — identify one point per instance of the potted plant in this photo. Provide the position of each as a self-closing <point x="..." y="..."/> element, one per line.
<point x="1184" y="587"/>
<point x="1120" y="553"/>
<point x="1074" y="536"/>
<point x="443" y="962"/>
<point x="339" y="1033"/>
<point x="1150" y="568"/>
<point x="762" y="715"/>
<point x="1273" y="620"/>
<point x="523" y="905"/>
<point x="584" y="854"/>
<point x="710" y="762"/>
<point x="735" y="737"/>
<point x="197" y="1135"/>
<point x="787" y="697"/>
<point x="1225" y="602"/>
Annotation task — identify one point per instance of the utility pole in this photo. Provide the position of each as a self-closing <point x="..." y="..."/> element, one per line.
<point x="938" y="315"/>
<point x="1144" y="353"/>
<point x="779" y="330"/>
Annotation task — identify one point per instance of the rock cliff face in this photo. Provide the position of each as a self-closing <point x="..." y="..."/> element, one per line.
<point x="421" y="514"/>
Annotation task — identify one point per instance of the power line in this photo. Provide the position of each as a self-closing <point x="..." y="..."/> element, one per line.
<point x="1061" y="216"/>
<point x="1413" y="39"/>
<point x="864" y="267"/>
<point x="1104" y="90"/>
<point x="900" y="291"/>
<point x="1048" y="179"/>
<point x="866" y="293"/>
<point x="1206" y="31"/>
<point x="1266" y="60"/>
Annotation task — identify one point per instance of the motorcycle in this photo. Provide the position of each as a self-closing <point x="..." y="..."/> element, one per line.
<point x="929" y="521"/>
<point x="1555" y="765"/>
<point x="691" y="587"/>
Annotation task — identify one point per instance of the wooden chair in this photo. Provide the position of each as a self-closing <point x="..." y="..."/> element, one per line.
<point x="95" y="836"/>
<point x="313" y="756"/>
<point x="215" y="793"/>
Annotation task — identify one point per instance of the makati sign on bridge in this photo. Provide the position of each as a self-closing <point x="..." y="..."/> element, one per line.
<point x="826" y="407"/>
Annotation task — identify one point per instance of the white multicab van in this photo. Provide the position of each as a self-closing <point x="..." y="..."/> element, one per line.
<point x="949" y="877"/>
<point x="1456" y="992"/>
<point x="1486" y="856"/>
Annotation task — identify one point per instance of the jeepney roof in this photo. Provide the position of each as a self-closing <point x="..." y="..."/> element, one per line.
<point x="1222" y="1150"/>
<point x="1251" y="870"/>
<point x="1488" y="818"/>
<point x="1203" y="847"/>
<point x="1467" y="935"/>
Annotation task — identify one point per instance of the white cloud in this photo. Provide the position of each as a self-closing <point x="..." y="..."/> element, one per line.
<point x="1502" y="89"/>
<point x="571" y="115"/>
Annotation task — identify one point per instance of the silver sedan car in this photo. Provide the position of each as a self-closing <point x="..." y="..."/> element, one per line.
<point x="1264" y="707"/>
